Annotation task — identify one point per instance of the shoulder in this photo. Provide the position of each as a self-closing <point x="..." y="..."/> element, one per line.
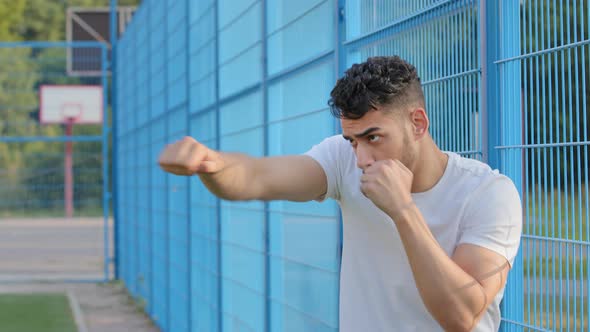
<point x="334" y="141"/>
<point x="335" y="147"/>
<point x="485" y="187"/>
<point x="470" y="166"/>
<point x="476" y="175"/>
<point x="335" y="155"/>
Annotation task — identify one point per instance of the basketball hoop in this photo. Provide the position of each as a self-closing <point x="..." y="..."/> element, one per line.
<point x="70" y="105"/>
<point x="71" y="112"/>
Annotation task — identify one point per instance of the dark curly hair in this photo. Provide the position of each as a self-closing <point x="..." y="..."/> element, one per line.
<point x="380" y="81"/>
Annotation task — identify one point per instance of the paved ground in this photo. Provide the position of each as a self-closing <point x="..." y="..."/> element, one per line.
<point x="53" y="249"/>
<point x="102" y="307"/>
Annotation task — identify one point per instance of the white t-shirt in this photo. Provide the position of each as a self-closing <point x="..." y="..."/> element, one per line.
<point x="470" y="204"/>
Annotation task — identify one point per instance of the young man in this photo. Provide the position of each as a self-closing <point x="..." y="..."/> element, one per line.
<point x="429" y="236"/>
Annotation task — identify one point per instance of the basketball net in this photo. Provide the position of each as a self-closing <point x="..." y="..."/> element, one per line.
<point x="71" y="112"/>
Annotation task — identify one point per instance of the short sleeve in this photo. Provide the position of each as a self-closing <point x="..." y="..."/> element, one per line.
<point x="493" y="218"/>
<point x="328" y="154"/>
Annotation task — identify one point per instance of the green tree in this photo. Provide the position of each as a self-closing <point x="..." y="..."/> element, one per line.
<point x="11" y="12"/>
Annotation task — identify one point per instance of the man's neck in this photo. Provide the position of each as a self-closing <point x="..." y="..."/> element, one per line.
<point x="430" y="167"/>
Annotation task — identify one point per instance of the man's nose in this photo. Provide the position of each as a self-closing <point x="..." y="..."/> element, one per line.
<point x="364" y="158"/>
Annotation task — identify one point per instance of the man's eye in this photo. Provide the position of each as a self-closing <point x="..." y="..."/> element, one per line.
<point x="373" y="138"/>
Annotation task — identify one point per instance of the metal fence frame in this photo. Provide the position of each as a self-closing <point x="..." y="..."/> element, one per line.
<point x="499" y="75"/>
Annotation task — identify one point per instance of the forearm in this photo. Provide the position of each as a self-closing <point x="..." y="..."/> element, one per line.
<point x="453" y="297"/>
<point x="237" y="179"/>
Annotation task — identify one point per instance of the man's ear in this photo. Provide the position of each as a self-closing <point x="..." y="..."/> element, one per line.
<point x="420" y="122"/>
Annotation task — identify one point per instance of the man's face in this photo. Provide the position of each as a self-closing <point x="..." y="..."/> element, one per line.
<point x="379" y="136"/>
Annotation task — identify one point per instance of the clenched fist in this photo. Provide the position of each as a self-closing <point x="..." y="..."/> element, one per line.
<point x="188" y="157"/>
<point x="388" y="184"/>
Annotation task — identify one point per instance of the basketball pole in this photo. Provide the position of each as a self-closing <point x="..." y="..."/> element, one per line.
<point x="68" y="171"/>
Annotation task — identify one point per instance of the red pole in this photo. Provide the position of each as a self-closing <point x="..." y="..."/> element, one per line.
<point x="69" y="178"/>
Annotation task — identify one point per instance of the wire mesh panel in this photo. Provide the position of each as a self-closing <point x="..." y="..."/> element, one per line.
<point x="205" y="229"/>
<point x="204" y="232"/>
<point x="145" y="163"/>
<point x="440" y="38"/>
<point x="553" y="91"/>
<point x="53" y="176"/>
<point x="245" y="272"/>
<point x="303" y="238"/>
<point x="243" y="223"/>
<point x="254" y="77"/>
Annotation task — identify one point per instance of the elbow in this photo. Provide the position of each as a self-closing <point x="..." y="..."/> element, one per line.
<point x="461" y="316"/>
<point x="463" y="327"/>
<point x="237" y="196"/>
<point x="227" y="195"/>
<point x="460" y="323"/>
<point x="233" y="197"/>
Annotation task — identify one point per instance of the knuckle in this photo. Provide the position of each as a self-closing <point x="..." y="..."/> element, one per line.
<point x="198" y="146"/>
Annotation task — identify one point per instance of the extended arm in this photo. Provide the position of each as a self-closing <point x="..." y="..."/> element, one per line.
<point x="235" y="176"/>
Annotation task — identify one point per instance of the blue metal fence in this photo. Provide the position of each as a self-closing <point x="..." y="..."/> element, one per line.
<point x="553" y="145"/>
<point x="505" y="82"/>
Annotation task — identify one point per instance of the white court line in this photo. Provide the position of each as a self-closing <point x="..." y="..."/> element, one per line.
<point x="78" y="316"/>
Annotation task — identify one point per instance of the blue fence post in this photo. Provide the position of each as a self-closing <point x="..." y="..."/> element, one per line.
<point x="512" y="134"/>
<point x="133" y="225"/>
<point x="340" y="16"/>
<point x="151" y="308"/>
<point x="166" y="118"/>
<point x="106" y="131"/>
<point x="264" y="90"/>
<point x="502" y="122"/>
<point x="218" y="146"/>
<point x="113" y="67"/>
<point x="340" y="36"/>
<point x="488" y="23"/>
<point x="188" y="179"/>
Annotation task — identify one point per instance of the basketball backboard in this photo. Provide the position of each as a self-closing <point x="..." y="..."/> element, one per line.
<point x="75" y="104"/>
<point x="91" y="24"/>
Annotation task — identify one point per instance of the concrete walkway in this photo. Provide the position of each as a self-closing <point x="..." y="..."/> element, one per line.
<point x="96" y="307"/>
